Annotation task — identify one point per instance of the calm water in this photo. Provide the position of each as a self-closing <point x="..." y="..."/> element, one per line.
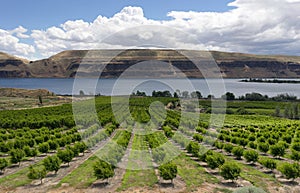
<point x="216" y="87"/>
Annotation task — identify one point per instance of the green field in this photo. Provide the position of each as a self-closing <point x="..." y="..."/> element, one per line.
<point x="121" y="136"/>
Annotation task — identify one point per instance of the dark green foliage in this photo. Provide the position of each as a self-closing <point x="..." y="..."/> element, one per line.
<point x="3" y="164"/>
<point x="218" y="145"/>
<point x="44" y="147"/>
<point x="228" y="96"/>
<point x="168" y="171"/>
<point x="215" y="160"/>
<point x="52" y="163"/>
<point x="81" y="146"/>
<point x="290" y="171"/>
<point x="228" y="147"/>
<point x="250" y="156"/>
<point x="230" y="171"/>
<point x="16" y="156"/>
<point x="238" y="152"/>
<point x="263" y="147"/>
<point x="198" y="137"/>
<point x="103" y="170"/>
<point x="252" y="145"/>
<point x="296" y="146"/>
<point x="53" y="145"/>
<point x="65" y="156"/>
<point x="277" y="150"/>
<point x="168" y="131"/>
<point x="37" y="173"/>
<point x="295" y="155"/>
<point x="268" y="163"/>
<point x="243" y="142"/>
<point x="193" y="148"/>
<point x="27" y="151"/>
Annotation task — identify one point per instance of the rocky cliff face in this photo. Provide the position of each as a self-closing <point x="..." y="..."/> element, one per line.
<point x="113" y="63"/>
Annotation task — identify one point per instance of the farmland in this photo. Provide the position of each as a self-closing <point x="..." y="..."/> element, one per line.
<point x="133" y="144"/>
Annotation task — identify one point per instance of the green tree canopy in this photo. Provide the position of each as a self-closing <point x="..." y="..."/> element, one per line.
<point x="103" y="170"/>
<point x="168" y="171"/>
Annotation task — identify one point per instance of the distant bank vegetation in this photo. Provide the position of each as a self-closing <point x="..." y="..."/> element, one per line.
<point x="259" y="80"/>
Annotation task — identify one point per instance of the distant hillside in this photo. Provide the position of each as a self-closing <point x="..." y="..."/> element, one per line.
<point x="14" y="92"/>
<point x="232" y="65"/>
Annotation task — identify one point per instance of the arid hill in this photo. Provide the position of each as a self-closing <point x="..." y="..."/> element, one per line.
<point x="112" y="63"/>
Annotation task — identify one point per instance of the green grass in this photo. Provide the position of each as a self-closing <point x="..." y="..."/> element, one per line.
<point x="143" y="177"/>
<point x="256" y="177"/>
<point x="192" y="173"/>
<point x="138" y="178"/>
<point x="83" y="176"/>
<point x="18" y="178"/>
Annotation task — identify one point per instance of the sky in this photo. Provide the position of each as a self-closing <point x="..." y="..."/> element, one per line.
<point x="36" y="29"/>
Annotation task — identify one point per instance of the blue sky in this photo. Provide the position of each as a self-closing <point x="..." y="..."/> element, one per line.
<point x="41" y="14"/>
<point x="36" y="29"/>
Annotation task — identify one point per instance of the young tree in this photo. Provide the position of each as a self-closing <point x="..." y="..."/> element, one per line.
<point x="168" y="171"/>
<point x="53" y="145"/>
<point x="33" y="152"/>
<point x="198" y="137"/>
<point x="3" y="164"/>
<point x="268" y="163"/>
<point x="250" y="156"/>
<point x="277" y="150"/>
<point x="27" y="151"/>
<point x="238" y="152"/>
<point x="215" y="160"/>
<point x="52" y="163"/>
<point x="228" y="147"/>
<point x="263" y="147"/>
<point x="65" y="156"/>
<point x="16" y="156"/>
<point x="44" y="147"/>
<point x="193" y="148"/>
<point x="230" y="171"/>
<point x="37" y="173"/>
<point x="81" y="146"/>
<point x="296" y="146"/>
<point x="290" y="171"/>
<point x="103" y="170"/>
<point x="295" y="155"/>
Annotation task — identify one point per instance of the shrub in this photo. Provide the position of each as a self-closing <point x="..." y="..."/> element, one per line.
<point x="268" y="163"/>
<point x="16" y="156"/>
<point x="215" y="160"/>
<point x="250" y="156"/>
<point x="238" y="152"/>
<point x="103" y="170"/>
<point x="295" y="155"/>
<point x="193" y="148"/>
<point x="277" y="150"/>
<point x="198" y="137"/>
<point x="168" y="171"/>
<point x="290" y="171"/>
<point x="52" y="163"/>
<point x="230" y="171"/>
<point x="37" y="173"/>
<point x="3" y="164"/>
<point x="228" y="147"/>
<point x="263" y="147"/>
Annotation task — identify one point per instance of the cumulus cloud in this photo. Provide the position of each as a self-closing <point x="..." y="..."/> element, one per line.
<point x="10" y="42"/>
<point x="255" y="26"/>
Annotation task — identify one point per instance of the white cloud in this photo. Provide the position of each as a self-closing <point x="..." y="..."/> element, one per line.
<point x="268" y="26"/>
<point x="10" y="42"/>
